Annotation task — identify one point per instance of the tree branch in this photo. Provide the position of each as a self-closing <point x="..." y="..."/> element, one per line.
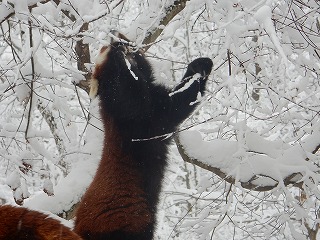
<point x="11" y="11"/>
<point x="31" y="82"/>
<point x="65" y="12"/>
<point x="171" y="12"/>
<point x="50" y="120"/>
<point x="247" y="185"/>
<point x="83" y="57"/>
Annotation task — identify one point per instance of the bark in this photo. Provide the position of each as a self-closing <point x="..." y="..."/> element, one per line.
<point x="83" y="57"/>
<point x="171" y="12"/>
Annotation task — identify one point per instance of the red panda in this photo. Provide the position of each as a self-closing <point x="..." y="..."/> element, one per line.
<point x="138" y="116"/>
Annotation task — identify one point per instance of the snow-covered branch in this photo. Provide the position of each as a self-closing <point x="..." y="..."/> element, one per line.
<point x="257" y="164"/>
<point x="83" y="57"/>
<point x="9" y="9"/>
<point x="168" y="14"/>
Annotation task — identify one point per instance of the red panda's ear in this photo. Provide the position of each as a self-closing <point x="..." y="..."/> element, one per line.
<point x="93" y="84"/>
<point x="99" y="61"/>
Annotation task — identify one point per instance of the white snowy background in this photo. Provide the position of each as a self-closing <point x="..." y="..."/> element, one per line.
<point x="253" y="140"/>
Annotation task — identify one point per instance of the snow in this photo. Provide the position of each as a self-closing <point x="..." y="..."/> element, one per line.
<point x="5" y="10"/>
<point x="70" y="189"/>
<point x="255" y="156"/>
<point x="13" y="180"/>
<point x="129" y="68"/>
<point x="20" y="8"/>
<point x="189" y="81"/>
<point x="263" y="16"/>
<point x="67" y="192"/>
<point x="261" y="141"/>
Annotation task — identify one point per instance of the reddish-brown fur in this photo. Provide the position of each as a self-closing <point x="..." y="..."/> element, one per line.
<point x="117" y="181"/>
<point x="19" y="223"/>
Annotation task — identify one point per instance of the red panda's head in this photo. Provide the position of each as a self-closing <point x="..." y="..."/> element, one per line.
<point x="124" y="54"/>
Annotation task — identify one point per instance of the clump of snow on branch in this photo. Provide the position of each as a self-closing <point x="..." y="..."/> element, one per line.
<point x="251" y="157"/>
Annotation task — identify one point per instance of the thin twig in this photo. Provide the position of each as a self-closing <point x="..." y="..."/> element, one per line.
<point x="31" y="82"/>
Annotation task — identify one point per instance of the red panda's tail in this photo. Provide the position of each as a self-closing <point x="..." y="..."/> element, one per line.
<point x="19" y="223"/>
